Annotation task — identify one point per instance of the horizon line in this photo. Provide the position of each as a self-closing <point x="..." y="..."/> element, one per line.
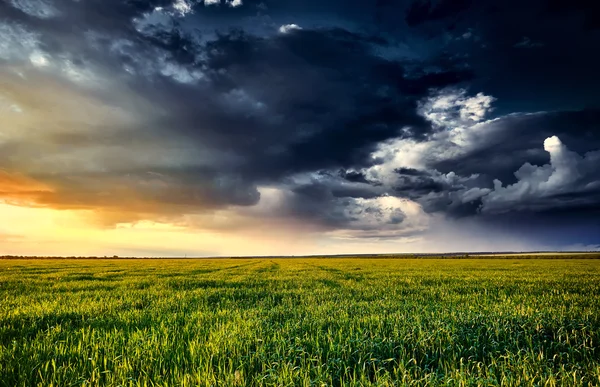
<point x="459" y="254"/>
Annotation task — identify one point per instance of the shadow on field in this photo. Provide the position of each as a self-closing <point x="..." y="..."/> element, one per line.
<point x="272" y="268"/>
<point x="341" y="273"/>
<point x="203" y="271"/>
<point x="84" y="289"/>
<point x="36" y="270"/>
<point x="193" y="284"/>
<point x="74" y="277"/>
<point x="243" y="299"/>
<point x="329" y="283"/>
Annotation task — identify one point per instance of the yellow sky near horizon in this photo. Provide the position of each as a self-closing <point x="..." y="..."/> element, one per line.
<point x="50" y="232"/>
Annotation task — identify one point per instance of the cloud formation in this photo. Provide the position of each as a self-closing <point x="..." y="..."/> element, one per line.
<point x="569" y="180"/>
<point x="284" y="29"/>
<point x="330" y="117"/>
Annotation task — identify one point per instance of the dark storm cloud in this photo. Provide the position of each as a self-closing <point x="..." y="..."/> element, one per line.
<point x="542" y="163"/>
<point x="435" y="192"/>
<point x="353" y="176"/>
<point x="180" y="187"/>
<point x="587" y="11"/>
<point x="422" y="11"/>
<point x="514" y="140"/>
<point x="418" y="185"/>
<point x="410" y="172"/>
<point x="355" y="209"/>
<point x="542" y="66"/>
<point x="324" y="93"/>
<point x="569" y="180"/>
<point x="263" y="107"/>
<point x="526" y="54"/>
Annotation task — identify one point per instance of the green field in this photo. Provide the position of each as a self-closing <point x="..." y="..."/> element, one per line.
<point x="300" y="322"/>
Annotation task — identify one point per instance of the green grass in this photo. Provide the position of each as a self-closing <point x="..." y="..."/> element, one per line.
<point x="300" y="322"/>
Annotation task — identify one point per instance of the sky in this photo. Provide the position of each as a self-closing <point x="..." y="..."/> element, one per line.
<point x="295" y="127"/>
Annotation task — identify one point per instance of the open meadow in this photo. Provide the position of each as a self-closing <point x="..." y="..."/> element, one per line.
<point x="300" y="322"/>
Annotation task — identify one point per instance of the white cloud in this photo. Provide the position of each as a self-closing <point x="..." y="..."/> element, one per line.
<point x="151" y="62"/>
<point x="158" y="20"/>
<point x="567" y="173"/>
<point x="16" y="42"/>
<point x="444" y="144"/>
<point x="474" y="194"/>
<point x="395" y="154"/>
<point x="475" y="108"/>
<point x="19" y="45"/>
<point x="180" y="73"/>
<point x="452" y="108"/>
<point x="43" y="9"/>
<point x="81" y="73"/>
<point x="182" y="7"/>
<point x="284" y="29"/>
<point x="39" y="59"/>
<point x="161" y="19"/>
<point x="408" y="153"/>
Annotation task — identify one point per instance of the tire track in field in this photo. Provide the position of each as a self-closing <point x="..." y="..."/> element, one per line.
<point x="341" y="274"/>
<point x="335" y="278"/>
